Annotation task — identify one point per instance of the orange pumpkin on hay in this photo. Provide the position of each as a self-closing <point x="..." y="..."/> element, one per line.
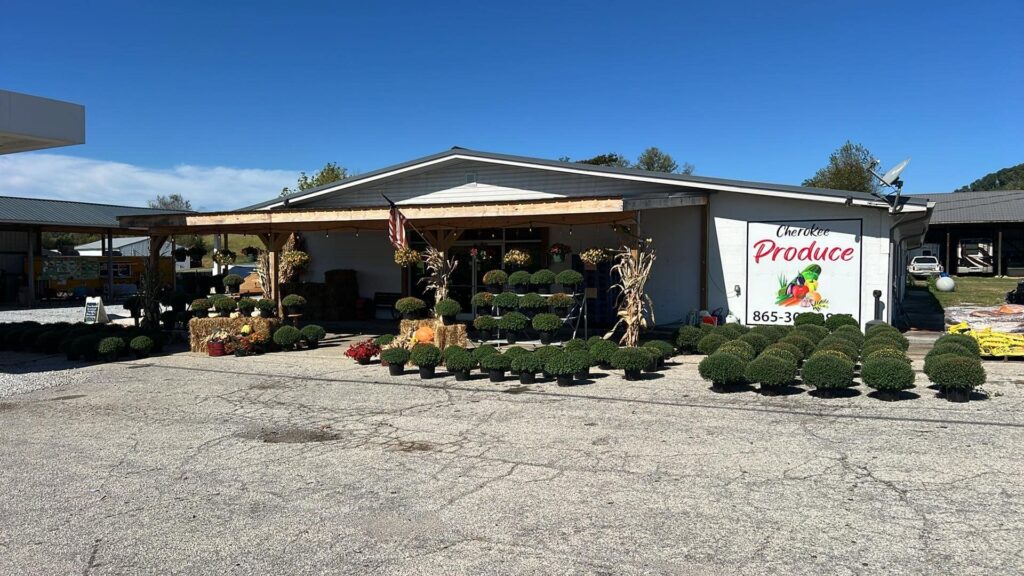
<point x="424" y="334"/>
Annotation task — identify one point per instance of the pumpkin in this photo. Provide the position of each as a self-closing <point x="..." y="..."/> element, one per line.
<point x="424" y="334"/>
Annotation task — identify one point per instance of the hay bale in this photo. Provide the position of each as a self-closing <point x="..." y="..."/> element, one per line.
<point x="200" y="329"/>
<point x="454" y="335"/>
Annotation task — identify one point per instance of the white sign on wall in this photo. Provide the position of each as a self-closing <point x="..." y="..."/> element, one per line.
<point x="803" y="266"/>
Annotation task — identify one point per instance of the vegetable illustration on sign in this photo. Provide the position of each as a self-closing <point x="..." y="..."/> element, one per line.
<point x="802" y="290"/>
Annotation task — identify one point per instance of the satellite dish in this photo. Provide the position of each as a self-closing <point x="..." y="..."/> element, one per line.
<point x="893" y="175"/>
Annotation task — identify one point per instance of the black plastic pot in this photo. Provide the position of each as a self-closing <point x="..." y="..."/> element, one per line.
<point x="483" y="335"/>
<point x="543" y="288"/>
<point x="510" y="336"/>
<point x="200" y="313"/>
<point x="496" y="375"/>
<point x="494" y="288"/>
<point x="360" y="361"/>
<point x="527" y="378"/>
<point x="448" y="320"/>
<point x="652" y="367"/>
<point x="520" y="288"/>
<point x="410" y="315"/>
<point x="461" y="375"/>
<point x="139" y="354"/>
<point x="957" y="394"/>
<point x="769" y="390"/>
<point x="545" y="338"/>
<point x="312" y="344"/>
<point x="427" y="372"/>
<point x="582" y="374"/>
<point x="396" y="369"/>
<point x="631" y="374"/>
<point x="565" y="379"/>
<point x="560" y="312"/>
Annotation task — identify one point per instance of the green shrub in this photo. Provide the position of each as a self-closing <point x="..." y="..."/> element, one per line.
<point x="287" y="336"/>
<point x="772" y="333"/>
<point x="396" y="356"/>
<point x="962" y="340"/>
<point x="793" y="350"/>
<point x="712" y="342"/>
<point x="545" y="352"/>
<point x="887" y="354"/>
<point x="758" y="341"/>
<point x="533" y="301"/>
<point x="485" y="350"/>
<point x="575" y="344"/>
<point x="957" y="373"/>
<point x="732" y="331"/>
<point x="483" y="300"/>
<point x="519" y="278"/>
<point x="805" y="344"/>
<point x="246" y="306"/>
<point x="569" y="278"/>
<point x="835" y="321"/>
<point x="84" y="346"/>
<point x="232" y="281"/>
<point x="141" y="344"/>
<point x="506" y="301"/>
<point x="425" y="355"/>
<point x="952" y="348"/>
<point x="687" y="338"/>
<point x="485" y="322"/>
<point x="496" y="277"/>
<point x="410" y="305"/>
<point x="49" y="341"/>
<point x="546" y="322"/>
<point x="542" y="278"/>
<point x="877" y="345"/>
<point x="894" y="337"/>
<point x="850" y="329"/>
<point x="201" y="305"/>
<point x="827" y="371"/>
<point x="452" y="349"/>
<point x="879" y="329"/>
<point x="225" y="305"/>
<point x="813" y="332"/>
<point x="266" y="307"/>
<point x="771" y="370"/>
<point x="779" y="353"/>
<point x="840" y="345"/>
<point x="722" y="368"/>
<point x="567" y="363"/>
<point x="495" y="362"/>
<point x="933" y="360"/>
<point x="602" y="351"/>
<point x="654" y="351"/>
<point x="110" y="346"/>
<point x="738" y="348"/>
<point x="832" y="353"/>
<point x="514" y="351"/>
<point x="528" y="363"/>
<point x="384" y="339"/>
<point x="458" y="360"/>
<point x="447" y="307"/>
<point x="313" y="333"/>
<point x="812" y="318"/>
<point x="667" y="350"/>
<point x="294" y="301"/>
<point x="513" y="321"/>
<point x="561" y="301"/>
<point x="630" y="359"/>
<point x="887" y="374"/>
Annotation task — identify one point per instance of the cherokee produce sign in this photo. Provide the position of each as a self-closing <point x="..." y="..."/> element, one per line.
<point x="803" y="266"/>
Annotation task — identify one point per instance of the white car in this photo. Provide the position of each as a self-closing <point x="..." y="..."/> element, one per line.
<point x="924" y="266"/>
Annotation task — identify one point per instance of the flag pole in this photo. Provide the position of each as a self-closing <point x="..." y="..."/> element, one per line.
<point x="408" y="221"/>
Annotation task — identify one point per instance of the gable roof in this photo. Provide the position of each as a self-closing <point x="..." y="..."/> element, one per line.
<point x="633" y="174"/>
<point x="17" y="211"/>
<point x="978" y="207"/>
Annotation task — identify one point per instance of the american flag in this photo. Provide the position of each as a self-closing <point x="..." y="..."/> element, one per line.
<point x="396" y="226"/>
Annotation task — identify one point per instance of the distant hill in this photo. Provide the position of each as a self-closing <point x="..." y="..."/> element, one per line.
<point x="1006" y="179"/>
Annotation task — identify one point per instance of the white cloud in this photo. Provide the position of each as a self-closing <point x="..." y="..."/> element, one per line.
<point x="87" y="180"/>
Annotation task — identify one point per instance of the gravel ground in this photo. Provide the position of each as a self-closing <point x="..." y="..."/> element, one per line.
<point x="304" y="463"/>
<point x="61" y="313"/>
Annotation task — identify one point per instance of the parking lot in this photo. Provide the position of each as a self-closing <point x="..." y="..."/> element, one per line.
<point x="302" y="463"/>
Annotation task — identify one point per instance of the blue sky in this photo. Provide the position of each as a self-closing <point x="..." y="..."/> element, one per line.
<point x="197" y="95"/>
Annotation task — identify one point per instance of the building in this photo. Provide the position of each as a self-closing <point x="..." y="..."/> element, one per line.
<point x="35" y="123"/>
<point x="720" y="243"/>
<point x="123" y="246"/>
<point x="978" y="232"/>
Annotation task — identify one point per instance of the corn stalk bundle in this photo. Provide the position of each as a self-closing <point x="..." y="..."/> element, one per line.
<point x="150" y="292"/>
<point x="440" y="272"/>
<point x="263" y="273"/>
<point x="635" y="308"/>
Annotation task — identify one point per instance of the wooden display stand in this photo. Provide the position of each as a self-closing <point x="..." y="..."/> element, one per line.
<point x="454" y="335"/>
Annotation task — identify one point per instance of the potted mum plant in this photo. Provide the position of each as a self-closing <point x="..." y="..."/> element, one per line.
<point x="396" y="358"/>
<point x="542" y="280"/>
<point x="570" y="280"/>
<point x="410" y="307"/>
<point x="511" y="323"/>
<point x="593" y="256"/>
<point x="224" y="306"/>
<point x="287" y="337"/>
<point x="559" y="252"/>
<point x="426" y="357"/>
<point x="495" y="280"/>
<point x="195" y="255"/>
<point x="201" y="307"/>
<point x="483" y="302"/>
<point x="361" y="352"/>
<point x="110" y="348"/>
<point x="246" y="306"/>
<point x="564" y="366"/>
<point x="216" y="344"/>
<point x="266" y="308"/>
<point x="141" y="346"/>
<point x="519" y="281"/>
<point x="516" y="258"/>
<point x="546" y="324"/>
<point x="532" y="303"/>
<point x="180" y="254"/>
<point x="224" y="257"/>
<point x="496" y="366"/>
<point x="631" y="361"/>
<point x="232" y="282"/>
<point x="312" y="334"/>
<point x="447" y="309"/>
<point x="561" y="303"/>
<point x="459" y="362"/>
<point x="485" y="326"/>
<point x="506" y="301"/>
<point x="293" y="303"/>
<point x="527" y="366"/>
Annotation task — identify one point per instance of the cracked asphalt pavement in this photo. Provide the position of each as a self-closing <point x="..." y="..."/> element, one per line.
<point x="304" y="463"/>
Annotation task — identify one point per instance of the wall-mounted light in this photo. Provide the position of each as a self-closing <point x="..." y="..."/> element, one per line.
<point x="327" y="234"/>
<point x="570" y="230"/>
<point x="737" y="290"/>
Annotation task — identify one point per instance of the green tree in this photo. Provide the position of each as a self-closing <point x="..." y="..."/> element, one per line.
<point x="1011" y="178"/>
<point x="849" y="168"/>
<point x="331" y="172"/>
<point x="654" y="160"/>
<point x="610" y="159"/>
<point x="171" y="202"/>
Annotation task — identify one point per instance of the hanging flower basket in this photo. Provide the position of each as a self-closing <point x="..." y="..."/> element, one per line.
<point x="559" y="252"/>
<point x="406" y="257"/>
<point x="516" y="257"/>
<point x="594" y="256"/>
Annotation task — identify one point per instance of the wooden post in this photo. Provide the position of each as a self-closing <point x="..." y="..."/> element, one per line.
<point x="999" y="253"/>
<point x="949" y="270"/>
<point x="273" y="242"/>
<point x="150" y="311"/>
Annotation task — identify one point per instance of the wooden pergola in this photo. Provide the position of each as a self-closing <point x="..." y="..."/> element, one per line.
<point x="439" y="224"/>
